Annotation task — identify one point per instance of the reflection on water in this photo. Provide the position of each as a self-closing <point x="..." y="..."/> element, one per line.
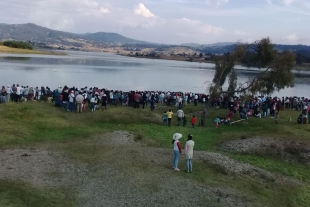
<point x="16" y="58"/>
<point x="117" y="72"/>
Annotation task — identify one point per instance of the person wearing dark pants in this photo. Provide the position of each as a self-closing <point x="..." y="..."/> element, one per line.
<point x="169" y="115"/>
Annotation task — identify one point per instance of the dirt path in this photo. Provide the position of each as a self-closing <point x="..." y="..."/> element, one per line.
<point x="127" y="174"/>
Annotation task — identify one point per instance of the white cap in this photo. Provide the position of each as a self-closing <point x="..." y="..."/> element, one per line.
<point x="177" y="136"/>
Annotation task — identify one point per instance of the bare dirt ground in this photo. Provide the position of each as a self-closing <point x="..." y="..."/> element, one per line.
<point x="127" y="174"/>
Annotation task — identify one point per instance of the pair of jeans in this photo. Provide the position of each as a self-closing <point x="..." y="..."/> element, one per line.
<point x="165" y="122"/>
<point x="176" y="158"/>
<point x="189" y="165"/>
<point x="152" y="105"/>
<point x="2" y="99"/>
<point x="71" y="106"/>
<point x="92" y="106"/>
<point x="179" y="121"/>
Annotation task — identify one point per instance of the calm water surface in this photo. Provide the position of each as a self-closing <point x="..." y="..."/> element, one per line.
<point x="111" y="71"/>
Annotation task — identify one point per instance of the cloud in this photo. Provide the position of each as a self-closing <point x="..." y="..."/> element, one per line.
<point x="291" y="38"/>
<point x="195" y="27"/>
<point x="161" y="20"/>
<point x="143" y="11"/>
<point x="104" y="10"/>
<point x="217" y="3"/>
<point x="242" y="33"/>
<point x="288" y="2"/>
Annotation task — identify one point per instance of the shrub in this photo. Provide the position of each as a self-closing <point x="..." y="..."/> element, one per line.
<point x="18" y="44"/>
<point x="138" y="137"/>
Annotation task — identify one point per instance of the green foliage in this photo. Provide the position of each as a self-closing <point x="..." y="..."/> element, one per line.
<point x="232" y="82"/>
<point x="275" y="67"/>
<point x="18" y="44"/>
<point x="265" y="53"/>
<point x="20" y="194"/>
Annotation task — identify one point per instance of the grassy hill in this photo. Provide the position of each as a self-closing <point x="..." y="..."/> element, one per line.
<point x="35" y="33"/>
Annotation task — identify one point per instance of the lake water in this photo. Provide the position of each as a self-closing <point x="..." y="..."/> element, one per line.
<point x="116" y="72"/>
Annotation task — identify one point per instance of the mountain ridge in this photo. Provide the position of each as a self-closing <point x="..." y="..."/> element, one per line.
<point x="35" y="33"/>
<point x="100" y="41"/>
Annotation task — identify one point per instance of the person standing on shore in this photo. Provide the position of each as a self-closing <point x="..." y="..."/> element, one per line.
<point x="19" y="91"/>
<point x="71" y="101"/>
<point x="193" y="121"/>
<point x="217" y="121"/>
<point x="169" y="115"/>
<point x="180" y="115"/>
<point x="3" y="95"/>
<point x="79" y="100"/>
<point x="104" y="102"/>
<point x="189" y="151"/>
<point x="309" y="114"/>
<point x="8" y="93"/>
<point x="165" y="118"/>
<point x="176" y="150"/>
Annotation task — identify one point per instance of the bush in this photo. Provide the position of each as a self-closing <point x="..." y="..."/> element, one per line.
<point x="18" y="44"/>
<point x="138" y="137"/>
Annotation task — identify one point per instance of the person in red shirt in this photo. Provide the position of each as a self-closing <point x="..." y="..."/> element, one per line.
<point x="193" y="121"/>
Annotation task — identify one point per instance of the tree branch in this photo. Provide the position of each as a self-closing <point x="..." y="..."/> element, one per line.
<point x="240" y="90"/>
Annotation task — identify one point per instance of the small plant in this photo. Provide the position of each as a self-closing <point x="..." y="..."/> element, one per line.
<point x="243" y="137"/>
<point x="138" y="137"/>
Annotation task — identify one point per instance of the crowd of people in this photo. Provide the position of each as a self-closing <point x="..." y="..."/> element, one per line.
<point x="261" y="107"/>
<point x="72" y="98"/>
<point x="93" y="98"/>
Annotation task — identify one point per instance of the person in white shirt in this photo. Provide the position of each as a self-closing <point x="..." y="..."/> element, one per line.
<point x="25" y="92"/>
<point x="195" y="99"/>
<point x="18" y="93"/>
<point x="71" y="101"/>
<point x="79" y="99"/>
<point x="180" y="115"/>
<point x="111" y="96"/>
<point x="8" y="93"/>
<point x="189" y="151"/>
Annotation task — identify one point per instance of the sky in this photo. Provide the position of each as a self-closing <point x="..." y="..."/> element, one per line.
<point x="170" y="21"/>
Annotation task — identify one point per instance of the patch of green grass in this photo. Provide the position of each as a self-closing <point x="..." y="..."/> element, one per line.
<point x="42" y="123"/>
<point x="266" y="193"/>
<point x="294" y="170"/>
<point x="21" y="194"/>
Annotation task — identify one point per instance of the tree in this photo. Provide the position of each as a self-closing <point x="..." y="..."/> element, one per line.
<point x="232" y="83"/>
<point x="18" y="44"/>
<point x="200" y="55"/>
<point x="275" y="69"/>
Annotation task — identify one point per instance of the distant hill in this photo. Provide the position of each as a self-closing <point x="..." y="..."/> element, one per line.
<point x="38" y="34"/>
<point x="218" y="44"/>
<point x="109" y="37"/>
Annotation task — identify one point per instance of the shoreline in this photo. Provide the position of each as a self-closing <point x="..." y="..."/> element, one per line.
<point x="296" y="69"/>
<point x="11" y="50"/>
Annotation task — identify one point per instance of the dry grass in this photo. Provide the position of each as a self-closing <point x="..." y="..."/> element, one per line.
<point x="5" y="49"/>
